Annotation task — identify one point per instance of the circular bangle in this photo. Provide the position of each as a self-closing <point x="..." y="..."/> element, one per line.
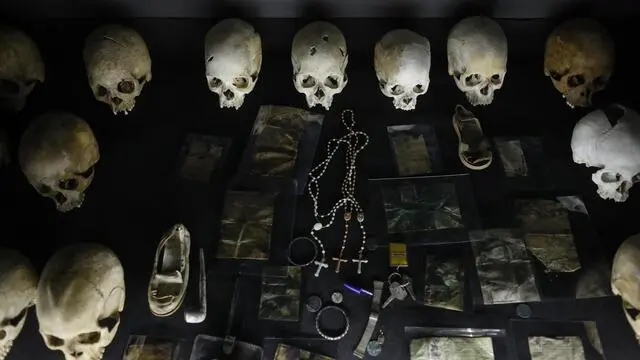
<point x="304" y="262"/>
<point x="340" y="333"/>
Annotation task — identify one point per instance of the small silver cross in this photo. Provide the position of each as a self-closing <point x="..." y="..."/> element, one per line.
<point x="360" y="262"/>
<point x="321" y="265"/>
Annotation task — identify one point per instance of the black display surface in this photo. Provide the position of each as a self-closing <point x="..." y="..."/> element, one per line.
<point x="136" y="194"/>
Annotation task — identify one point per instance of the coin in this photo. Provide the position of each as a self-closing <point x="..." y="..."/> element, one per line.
<point x="314" y="303"/>
<point x="337" y="297"/>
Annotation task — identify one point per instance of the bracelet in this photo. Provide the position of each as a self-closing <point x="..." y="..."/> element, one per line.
<point x="302" y="263"/>
<point x="323" y="333"/>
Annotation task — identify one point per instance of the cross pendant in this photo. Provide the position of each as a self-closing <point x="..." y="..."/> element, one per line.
<point x="360" y="262"/>
<point x="321" y="265"/>
<point x="339" y="263"/>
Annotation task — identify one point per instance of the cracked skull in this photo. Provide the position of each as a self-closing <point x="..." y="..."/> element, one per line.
<point x="402" y="61"/>
<point x="319" y="58"/>
<point x="579" y="58"/>
<point x="233" y="57"/>
<point x="57" y="154"/>
<point x="21" y="68"/>
<point x="625" y="280"/>
<point x="80" y="295"/>
<point x="477" y="57"/>
<point x="118" y="66"/>
<point x="18" y="282"/>
<point x="609" y="140"/>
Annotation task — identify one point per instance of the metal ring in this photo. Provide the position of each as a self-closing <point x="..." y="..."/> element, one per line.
<point x="302" y="264"/>
<point x="389" y="279"/>
<point x="322" y="333"/>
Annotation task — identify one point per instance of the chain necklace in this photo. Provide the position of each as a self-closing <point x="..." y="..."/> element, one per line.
<point x="353" y="144"/>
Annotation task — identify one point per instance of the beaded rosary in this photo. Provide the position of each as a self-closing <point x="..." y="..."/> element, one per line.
<point x="353" y="145"/>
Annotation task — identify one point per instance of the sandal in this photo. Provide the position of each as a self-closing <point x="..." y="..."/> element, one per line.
<point x="474" y="149"/>
<point x="170" y="276"/>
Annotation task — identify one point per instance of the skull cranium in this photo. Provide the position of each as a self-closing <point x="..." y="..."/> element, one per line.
<point x="118" y="66"/>
<point x="21" y="67"/>
<point x="609" y="140"/>
<point x="80" y="297"/>
<point x="18" y="282"/>
<point x="625" y="280"/>
<point x="579" y="57"/>
<point x="477" y="56"/>
<point x="319" y="58"/>
<point x="58" y="153"/>
<point x="233" y="57"/>
<point x="402" y="61"/>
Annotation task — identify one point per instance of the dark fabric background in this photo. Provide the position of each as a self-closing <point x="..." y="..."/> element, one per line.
<point x="136" y="195"/>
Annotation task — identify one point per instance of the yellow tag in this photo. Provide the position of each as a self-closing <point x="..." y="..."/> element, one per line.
<point x="398" y="255"/>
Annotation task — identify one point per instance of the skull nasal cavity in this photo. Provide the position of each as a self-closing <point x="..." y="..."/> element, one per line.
<point x="228" y="94"/>
<point x="76" y="354"/>
<point x="3" y="334"/>
<point x="319" y="94"/>
<point x="484" y="90"/>
<point x="9" y="87"/>
<point x="406" y="101"/>
<point x="116" y="100"/>
<point x="126" y="87"/>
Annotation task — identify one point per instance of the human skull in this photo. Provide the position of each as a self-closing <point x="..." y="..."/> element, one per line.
<point x="18" y="282"/>
<point x="609" y="139"/>
<point x="80" y="297"/>
<point x="233" y="57"/>
<point x="319" y="58"/>
<point x="402" y="61"/>
<point x="57" y="154"/>
<point x="118" y="66"/>
<point x="579" y="58"/>
<point x="625" y="280"/>
<point x="477" y="56"/>
<point x="21" y="67"/>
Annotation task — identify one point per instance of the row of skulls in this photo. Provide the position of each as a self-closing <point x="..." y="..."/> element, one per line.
<point x="579" y="59"/>
<point x="78" y="299"/>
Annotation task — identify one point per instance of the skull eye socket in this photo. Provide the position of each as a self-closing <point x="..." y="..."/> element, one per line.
<point x="142" y="79"/>
<point x="241" y="82"/>
<point x="68" y="184"/>
<point x="308" y="81"/>
<point x="87" y="173"/>
<point x="630" y="310"/>
<point x="3" y="334"/>
<point x="331" y="82"/>
<point x="575" y="80"/>
<point x="30" y="82"/>
<point x="16" y="320"/>
<point x="110" y="322"/>
<point x="54" y="341"/>
<point x="609" y="177"/>
<point x="555" y="75"/>
<point x="495" y="79"/>
<point x="89" y="338"/>
<point x="215" y="82"/>
<point x="418" y="89"/>
<point x="9" y="87"/>
<point x="101" y="91"/>
<point x="126" y="86"/>
<point x="44" y="189"/>
<point x="472" y="80"/>
<point x="599" y="82"/>
<point x="397" y="90"/>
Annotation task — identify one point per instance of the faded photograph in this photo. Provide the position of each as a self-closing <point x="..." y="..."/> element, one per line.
<point x="452" y="348"/>
<point x="201" y="155"/>
<point x="556" y="252"/>
<point x="415" y="148"/>
<point x="245" y="229"/>
<point x="504" y="267"/>
<point x="444" y="283"/>
<point x="512" y="156"/>
<point x="411" y="206"/>
<point x="140" y="347"/>
<point x="542" y="216"/>
<point x="548" y="234"/>
<point x="276" y="134"/>
<point x="287" y="352"/>
<point x="280" y="299"/>
<point x="558" y="348"/>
